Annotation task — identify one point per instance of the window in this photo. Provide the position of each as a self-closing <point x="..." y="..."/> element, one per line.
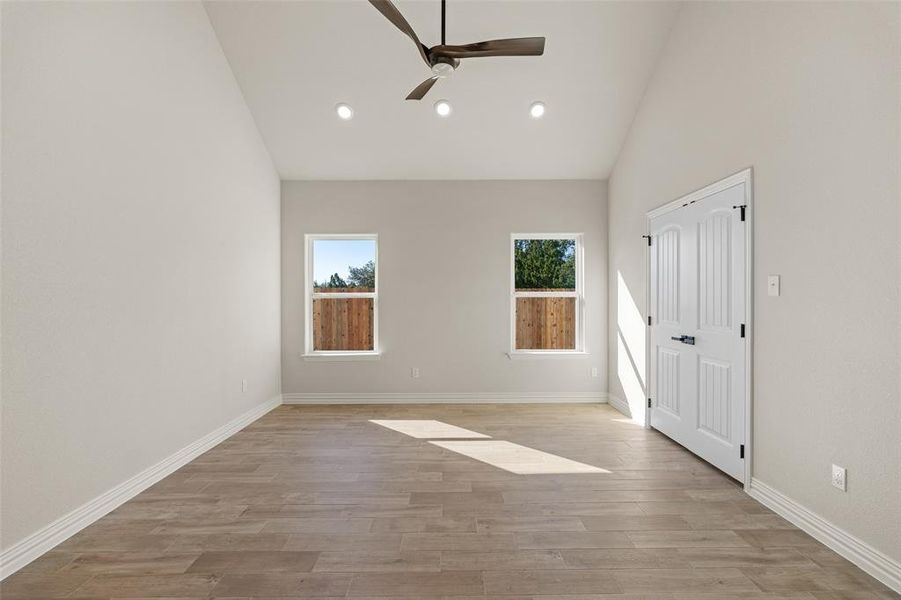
<point x="546" y="296"/>
<point x="342" y="295"/>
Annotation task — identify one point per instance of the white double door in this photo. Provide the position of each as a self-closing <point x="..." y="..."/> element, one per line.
<point x="698" y="327"/>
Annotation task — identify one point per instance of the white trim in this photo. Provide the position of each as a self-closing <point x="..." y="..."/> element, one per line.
<point x="876" y="563"/>
<point x="619" y="404"/>
<point x="541" y="354"/>
<point x="309" y="296"/>
<point x="323" y="356"/>
<point x="443" y="398"/>
<point x="743" y="176"/>
<point x="746" y="177"/>
<point x="23" y="552"/>
<point x="341" y="295"/>
<point x="578" y="293"/>
<point x="546" y="294"/>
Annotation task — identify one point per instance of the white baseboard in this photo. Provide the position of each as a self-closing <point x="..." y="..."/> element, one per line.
<point x="20" y="554"/>
<point x="619" y="404"/>
<point x="882" y="567"/>
<point x="443" y="398"/>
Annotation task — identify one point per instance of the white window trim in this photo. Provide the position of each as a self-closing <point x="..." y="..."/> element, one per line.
<point x="580" y="349"/>
<point x="309" y="296"/>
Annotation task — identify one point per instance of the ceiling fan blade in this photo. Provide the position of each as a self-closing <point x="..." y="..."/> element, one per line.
<point x="530" y="46"/>
<point x="392" y="14"/>
<point x="422" y="89"/>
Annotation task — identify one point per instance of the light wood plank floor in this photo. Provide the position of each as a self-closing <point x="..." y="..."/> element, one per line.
<point x="319" y="502"/>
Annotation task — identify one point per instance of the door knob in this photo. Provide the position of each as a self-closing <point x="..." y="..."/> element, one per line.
<point x="685" y="339"/>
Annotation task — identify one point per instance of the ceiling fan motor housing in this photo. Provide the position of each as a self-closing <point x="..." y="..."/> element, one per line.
<point x="443" y="66"/>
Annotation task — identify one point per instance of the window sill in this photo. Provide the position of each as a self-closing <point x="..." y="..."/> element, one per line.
<point x="539" y="354"/>
<point x="341" y="356"/>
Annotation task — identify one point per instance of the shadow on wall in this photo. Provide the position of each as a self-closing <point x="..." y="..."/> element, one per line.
<point x="630" y="350"/>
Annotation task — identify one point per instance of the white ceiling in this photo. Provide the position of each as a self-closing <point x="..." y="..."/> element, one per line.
<point x="295" y="60"/>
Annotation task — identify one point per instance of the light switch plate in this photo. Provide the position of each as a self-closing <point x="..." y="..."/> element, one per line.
<point x="594" y="371"/>
<point x="414" y="372"/>
<point x="773" y="285"/>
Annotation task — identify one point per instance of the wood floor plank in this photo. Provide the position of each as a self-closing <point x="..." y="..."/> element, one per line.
<point x="624" y="558"/>
<point x="472" y="542"/>
<point x="342" y="541"/>
<point x="496" y="525"/>
<point x="41" y="585"/>
<point x="253" y="561"/>
<point x="131" y="563"/>
<point x="227" y="541"/>
<point x="146" y="586"/>
<point x="626" y="523"/>
<point x="419" y="585"/>
<point x="317" y="525"/>
<point x="575" y="539"/>
<point x="686" y="539"/>
<point x="743" y="557"/>
<point x="551" y="582"/>
<point x="307" y="585"/>
<point x="424" y="525"/>
<point x="378" y="561"/>
<point x="467" y="560"/>
<point x="683" y="580"/>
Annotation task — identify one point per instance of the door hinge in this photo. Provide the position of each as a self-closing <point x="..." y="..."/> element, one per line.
<point x="742" y="207"/>
<point x="649" y="320"/>
<point x="741" y="451"/>
<point x="649" y="403"/>
<point x="742" y="330"/>
<point x="648" y="238"/>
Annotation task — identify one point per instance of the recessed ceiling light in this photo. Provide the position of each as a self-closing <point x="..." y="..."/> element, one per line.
<point x="345" y="112"/>
<point x="537" y="110"/>
<point x="443" y="108"/>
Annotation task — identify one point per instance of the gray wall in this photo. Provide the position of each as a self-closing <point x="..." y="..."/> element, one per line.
<point x="444" y="259"/>
<point x="807" y="94"/>
<point x="140" y="249"/>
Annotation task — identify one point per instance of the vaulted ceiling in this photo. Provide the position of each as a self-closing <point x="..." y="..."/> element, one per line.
<point x="295" y="61"/>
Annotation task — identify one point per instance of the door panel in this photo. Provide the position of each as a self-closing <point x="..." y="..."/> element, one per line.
<point x="668" y="276"/>
<point x="668" y="380"/>
<point x="697" y="285"/>
<point x="714" y="398"/>
<point x="714" y="271"/>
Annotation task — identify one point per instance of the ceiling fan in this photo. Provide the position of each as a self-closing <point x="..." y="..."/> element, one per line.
<point x="443" y="59"/>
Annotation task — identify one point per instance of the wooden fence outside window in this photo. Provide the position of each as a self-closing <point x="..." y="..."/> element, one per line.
<point x="343" y="324"/>
<point x="347" y="324"/>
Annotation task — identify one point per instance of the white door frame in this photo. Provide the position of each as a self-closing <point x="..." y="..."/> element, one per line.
<point x="742" y="177"/>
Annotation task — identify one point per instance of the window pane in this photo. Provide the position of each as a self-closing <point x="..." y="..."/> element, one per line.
<point x="545" y="323"/>
<point x="343" y="266"/>
<point x="342" y="324"/>
<point x="545" y="265"/>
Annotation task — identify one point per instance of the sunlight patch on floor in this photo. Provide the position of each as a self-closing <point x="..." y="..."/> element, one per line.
<point x="429" y="429"/>
<point x="518" y="459"/>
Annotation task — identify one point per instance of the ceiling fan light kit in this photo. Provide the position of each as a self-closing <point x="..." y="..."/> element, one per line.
<point x="444" y="59"/>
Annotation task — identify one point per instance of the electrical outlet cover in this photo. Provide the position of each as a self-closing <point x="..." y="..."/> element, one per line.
<point x="839" y="478"/>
